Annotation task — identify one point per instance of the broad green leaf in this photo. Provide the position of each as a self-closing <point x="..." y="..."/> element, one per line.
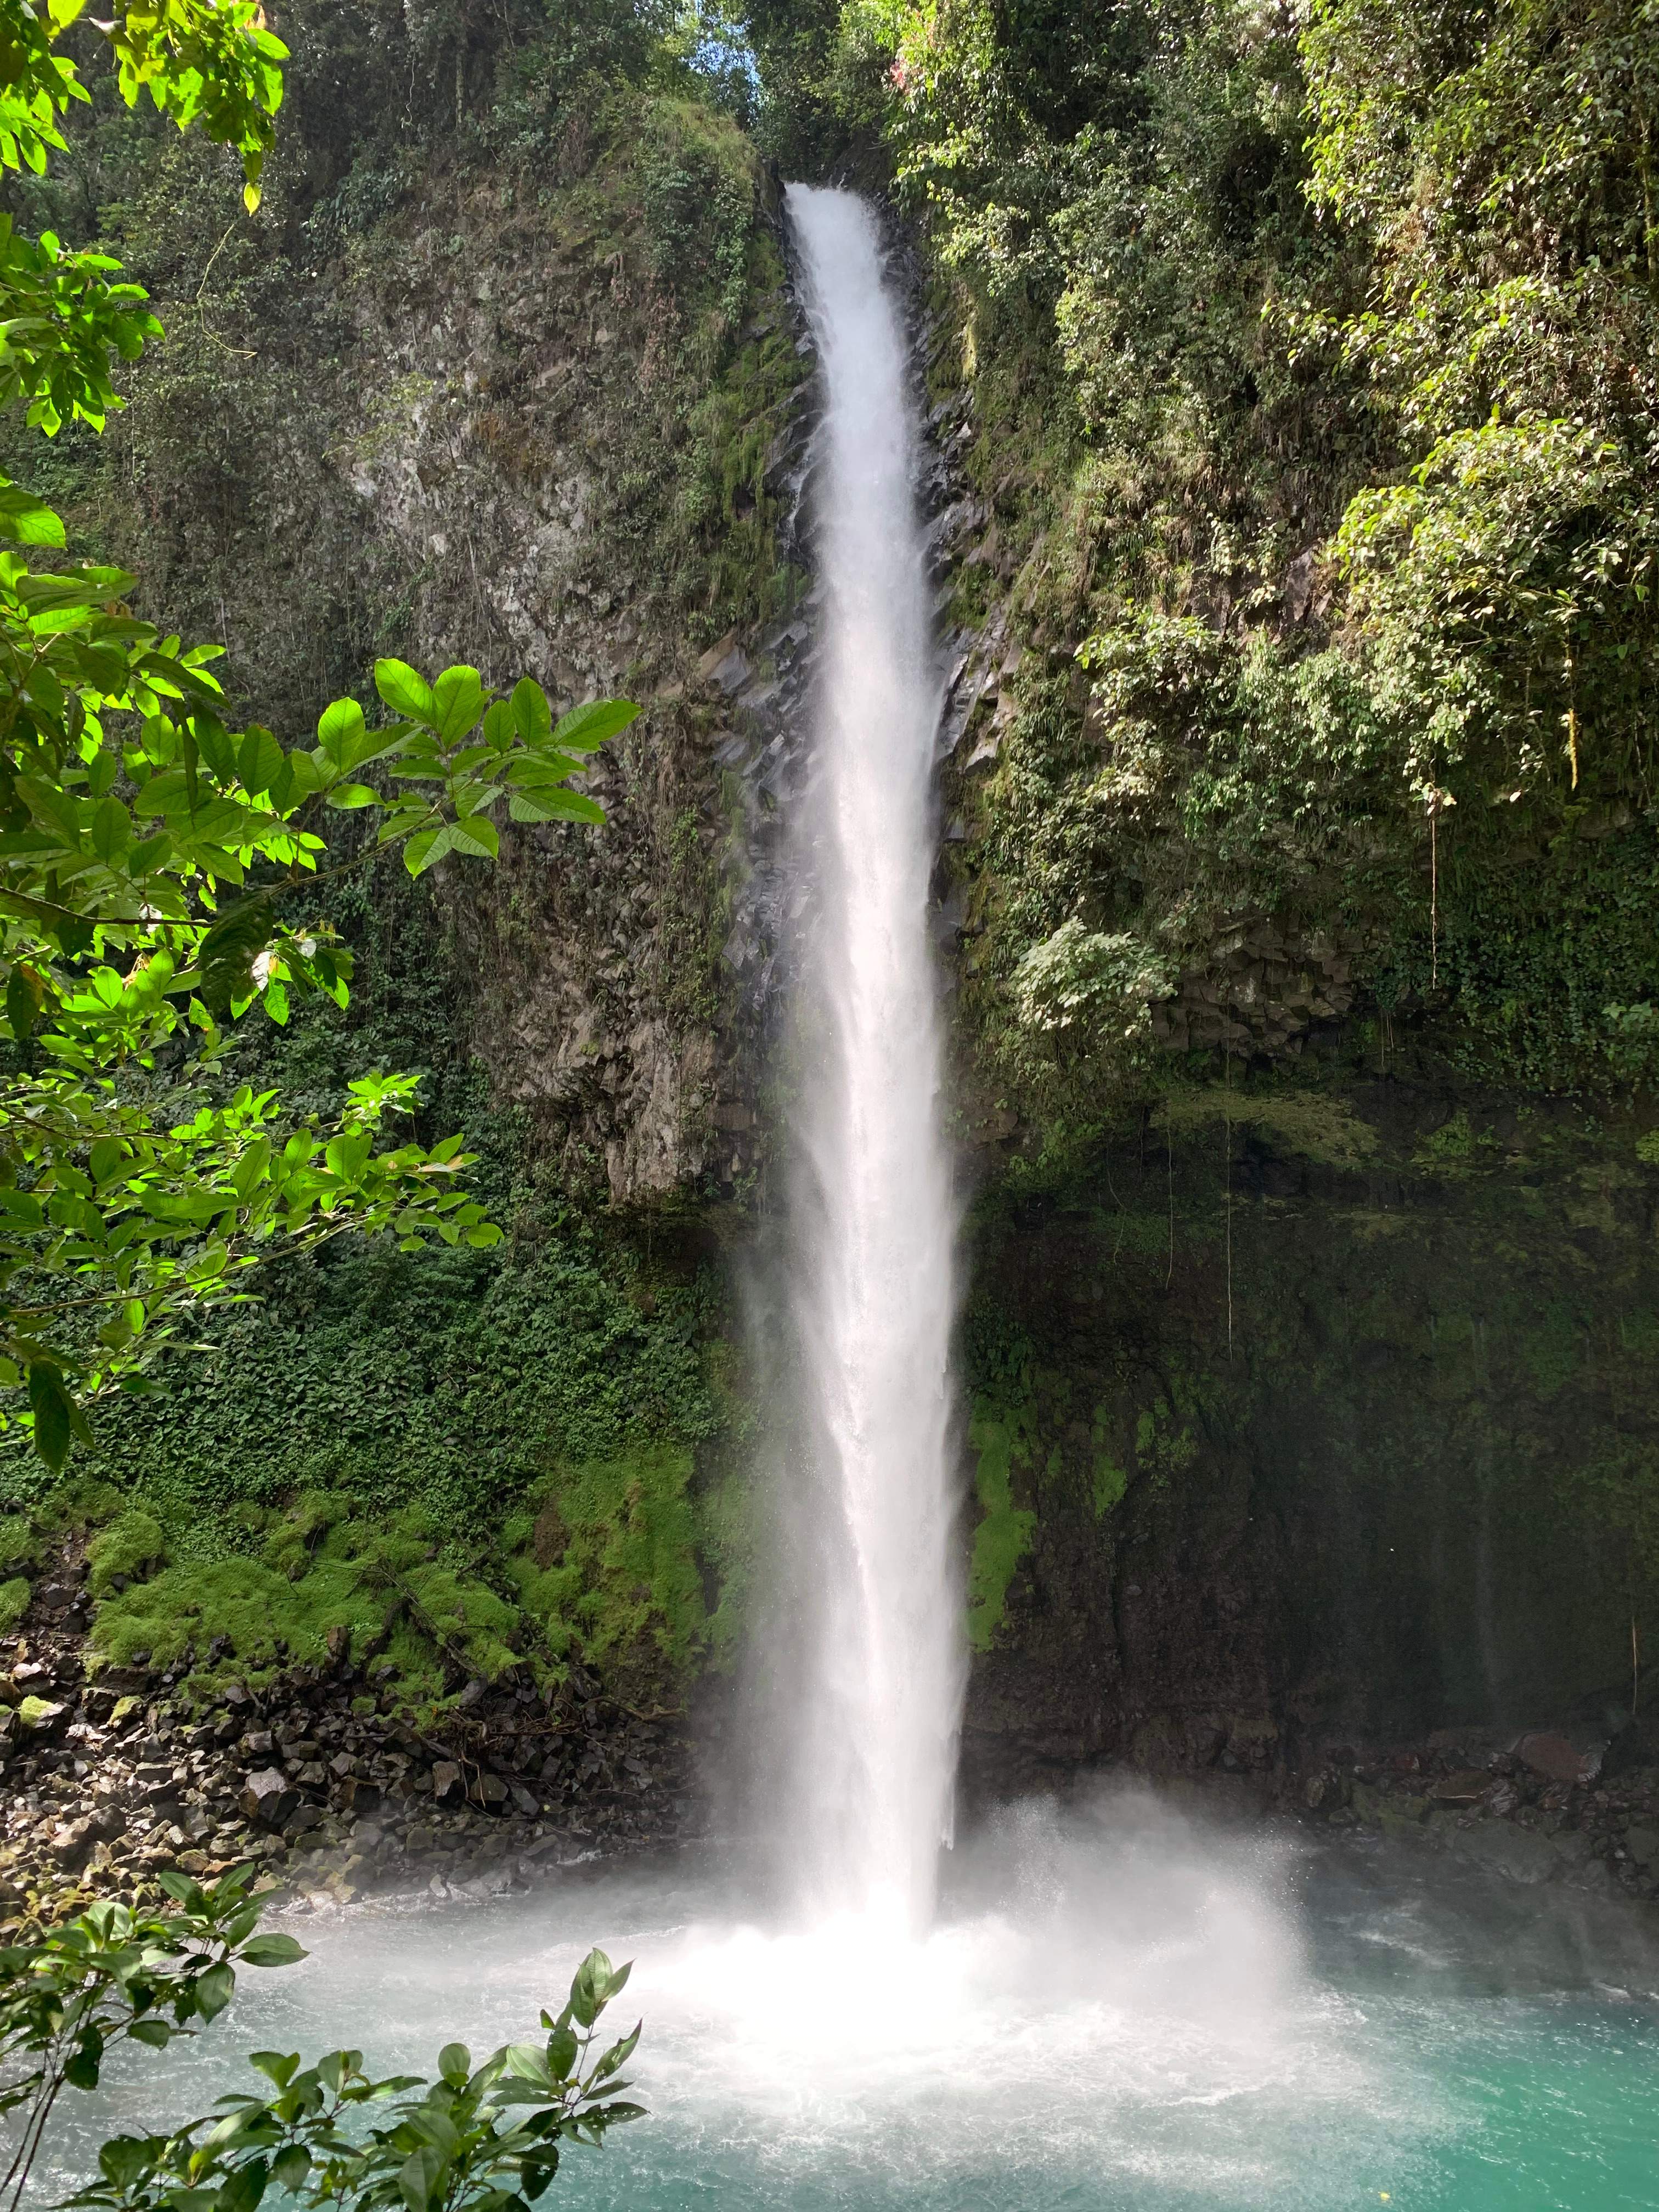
<point x="339" y="728"/>
<point x="426" y="848"/>
<point x="457" y="698"/>
<point x="584" y="729"/>
<point x="474" y="834"/>
<point x="271" y="1951"/>
<point x="214" y="1990"/>
<point x="241" y="2193"/>
<point x="346" y="796"/>
<point x="290" y="2166"/>
<point x="404" y="690"/>
<point x="213" y="742"/>
<point x="81" y="2071"/>
<point x="108" y="1156"/>
<point x="455" y="2064"/>
<point x="533" y="771"/>
<point x="553" y="803"/>
<point x="308" y="776"/>
<point x="278" y="2067"/>
<point x="56" y="1417"/>
<point x="25" y="992"/>
<point x="27" y="519"/>
<point x="532" y="718"/>
<point x="112" y="830"/>
<point x="251" y="1168"/>
<point x="125" y="2160"/>
<point x="526" y="2062"/>
<point x="259" y="761"/>
<point x="619" y="2053"/>
<point x="418" y="2177"/>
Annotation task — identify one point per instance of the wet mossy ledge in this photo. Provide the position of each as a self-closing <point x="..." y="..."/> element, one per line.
<point x="318" y="1775"/>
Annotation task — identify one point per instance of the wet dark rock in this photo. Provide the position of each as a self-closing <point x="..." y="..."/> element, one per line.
<point x="268" y="1796"/>
<point x="297" y="1777"/>
<point x="1559" y="1759"/>
<point x="1519" y="1854"/>
<point x="1466" y="1787"/>
<point x="71" y="1843"/>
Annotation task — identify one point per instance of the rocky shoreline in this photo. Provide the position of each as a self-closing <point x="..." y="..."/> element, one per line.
<point x="1534" y="1805"/>
<point x="1529" y="1805"/>
<point x="113" y="1776"/>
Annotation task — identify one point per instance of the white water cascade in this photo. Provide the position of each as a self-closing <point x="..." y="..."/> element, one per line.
<point x="880" y="1673"/>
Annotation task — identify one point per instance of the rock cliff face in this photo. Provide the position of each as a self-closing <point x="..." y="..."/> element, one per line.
<point x="532" y="410"/>
<point x="1318" y="1421"/>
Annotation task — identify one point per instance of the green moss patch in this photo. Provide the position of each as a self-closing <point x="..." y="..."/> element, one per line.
<point x="1003" y="1535"/>
<point x="612" y="1560"/>
<point x="602" y="1561"/>
<point x="131" y="1543"/>
<point x="20" y="1544"/>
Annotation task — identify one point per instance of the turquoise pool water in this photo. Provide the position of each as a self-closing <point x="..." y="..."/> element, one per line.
<point x="1120" y="2009"/>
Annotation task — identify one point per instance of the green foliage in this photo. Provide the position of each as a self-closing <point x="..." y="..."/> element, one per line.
<point x="1312" y="369"/>
<point x="14" y="1602"/>
<point x="601" y="1562"/>
<point x="150" y="1212"/>
<point x="471" y="1464"/>
<point x="613" y="1561"/>
<point x="697" y="189"/>
<point x="1003" y="1534"/>
<point x="483" y="2140"/>
<point x="20" y="1544"/>
<point x="118" y="1975"/>
<point x="1078" y="975"/>
<point x="459" y="2146"/>
<point x="131" y="1543"/>
<point x="129" y="812"/>
<point x="208" y="63"/>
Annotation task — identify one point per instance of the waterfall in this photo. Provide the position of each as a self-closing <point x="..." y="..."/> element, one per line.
<point x="879" y="1663"/>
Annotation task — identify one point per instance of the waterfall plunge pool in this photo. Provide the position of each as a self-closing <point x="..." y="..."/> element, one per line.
<point x="1120" y="2009"/>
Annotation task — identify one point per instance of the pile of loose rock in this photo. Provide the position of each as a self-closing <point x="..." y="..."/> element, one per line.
<point x="1536" y="1807"/>
<point x="112" y="1776"/>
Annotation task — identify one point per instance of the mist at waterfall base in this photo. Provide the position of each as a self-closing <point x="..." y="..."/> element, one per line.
<point x="1118" y="2009"/>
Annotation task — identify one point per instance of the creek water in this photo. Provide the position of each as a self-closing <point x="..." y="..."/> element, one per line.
<point x="1117" y="2009"/>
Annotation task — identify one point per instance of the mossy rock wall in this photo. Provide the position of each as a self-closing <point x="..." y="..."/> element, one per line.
<point x="1333" y="1411"/>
